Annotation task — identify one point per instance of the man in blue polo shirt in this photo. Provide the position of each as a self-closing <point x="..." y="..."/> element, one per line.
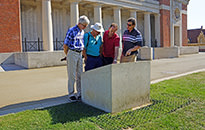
<point x="132" y="41"/>
<point x="73" y="46"/>
<point x="93" y="47"/>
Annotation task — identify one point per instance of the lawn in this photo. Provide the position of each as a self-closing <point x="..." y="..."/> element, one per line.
<point x="176" y="104"/>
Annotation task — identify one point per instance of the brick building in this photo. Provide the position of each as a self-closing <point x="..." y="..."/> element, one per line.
<point x="30" y="25"/>
<point x="196" y="35"/>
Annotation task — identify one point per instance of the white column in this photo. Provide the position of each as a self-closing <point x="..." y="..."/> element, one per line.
<point x="98" y="13"/>
<point x="47" y="25"/>
<point x="133" y="14"/>
<point x="171" y="34"/>
<point x="74" y="12"/>
<point x="65" y="22"/>
<point x="157" y="28"/>
<point x="39" y="22"/>
<point x="180" y="31"/>
<point x="117" y="20"/>
<point x="147" y="29"/>
<point x="171" y="25"/>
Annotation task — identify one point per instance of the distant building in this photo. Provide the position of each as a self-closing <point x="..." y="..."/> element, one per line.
<point x="196" y="35"/>
<point x="31" y="25"/>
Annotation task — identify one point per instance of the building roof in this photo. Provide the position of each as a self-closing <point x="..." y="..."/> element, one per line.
<point x="194" y="33"/>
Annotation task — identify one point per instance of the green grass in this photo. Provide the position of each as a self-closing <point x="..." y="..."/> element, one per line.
<point x="176" y="104"/>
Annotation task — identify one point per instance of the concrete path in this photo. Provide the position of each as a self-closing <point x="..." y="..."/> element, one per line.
<point x="44" y="87"/>
<point x="185" y="64"/>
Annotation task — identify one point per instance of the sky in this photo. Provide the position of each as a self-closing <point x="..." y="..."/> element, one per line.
<point x="196" y="14"/>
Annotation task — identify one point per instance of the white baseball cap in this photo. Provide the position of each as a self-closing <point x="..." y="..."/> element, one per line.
<point x="97" y="27"/>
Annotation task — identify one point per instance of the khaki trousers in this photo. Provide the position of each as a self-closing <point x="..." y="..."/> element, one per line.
<point x="130" y="58"/>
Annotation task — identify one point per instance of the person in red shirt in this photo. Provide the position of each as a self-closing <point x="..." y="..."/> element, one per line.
<point x="111" y="45"/>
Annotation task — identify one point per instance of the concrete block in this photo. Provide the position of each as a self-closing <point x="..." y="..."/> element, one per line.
<point x="145" y="53"/>
<point x="39" y="59"/>
<point x="6" y="58"/>
<point x="166" y="52"/>
<point x="189" y="50"/>
<point x="117" y="87"/>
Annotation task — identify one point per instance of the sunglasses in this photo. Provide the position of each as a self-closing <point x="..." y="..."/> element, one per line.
<point x="129" y="24"/>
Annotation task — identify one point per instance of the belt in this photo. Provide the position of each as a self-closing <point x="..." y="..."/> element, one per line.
<point x="79" y="51"/>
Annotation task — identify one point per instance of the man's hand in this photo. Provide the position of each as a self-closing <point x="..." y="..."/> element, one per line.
<point x="85" y="55"/>
<point x="116" y="55"/>
<point x="114" y="61"/>
<point x="131" y="50"/>
<point x="65" y="47"/>
<point x="128" y="52"/>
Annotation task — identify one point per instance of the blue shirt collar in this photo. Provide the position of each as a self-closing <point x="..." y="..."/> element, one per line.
<point x="76" y="26"/>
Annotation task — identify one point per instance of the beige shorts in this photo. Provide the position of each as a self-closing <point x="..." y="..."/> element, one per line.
<point x="130" y="58"/>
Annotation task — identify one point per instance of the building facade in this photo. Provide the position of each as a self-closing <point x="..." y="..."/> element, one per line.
<point x="31" y="25"/>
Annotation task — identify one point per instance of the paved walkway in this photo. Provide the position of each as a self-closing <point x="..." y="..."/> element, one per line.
<point x="44" y="87"/>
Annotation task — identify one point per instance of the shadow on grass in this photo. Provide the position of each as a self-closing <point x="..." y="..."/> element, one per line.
<point x="72" y="112"/>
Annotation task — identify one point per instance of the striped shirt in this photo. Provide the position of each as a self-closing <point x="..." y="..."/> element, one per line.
<point x="131" y="39"/>
<point x="74" y="38"/>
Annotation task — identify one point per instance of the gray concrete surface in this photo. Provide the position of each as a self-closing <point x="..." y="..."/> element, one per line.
<point x="117" y="87"/>
<point x="44" y="87"/>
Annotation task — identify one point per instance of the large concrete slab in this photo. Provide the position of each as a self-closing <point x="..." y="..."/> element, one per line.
<point x="117" y="87"/>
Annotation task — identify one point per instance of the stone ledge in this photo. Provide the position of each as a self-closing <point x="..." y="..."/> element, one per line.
<point x="39" y="59"/>
<point x="149" y="53"/>
<point x="166" y="52"/>
<point x="145" y="53"/>
<point x="189" y="50"/>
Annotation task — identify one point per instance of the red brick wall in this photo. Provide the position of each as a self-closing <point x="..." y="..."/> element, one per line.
<point x="184" y="30"/>
<point x="164" y="2"/>
<point x="165" y="28"/>
<point x="10" y="34"/>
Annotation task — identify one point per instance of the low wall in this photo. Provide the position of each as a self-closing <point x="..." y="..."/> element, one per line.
<point x="166" y="52"/>
<point x="39" y="59"/>
<point x="117" y="87"/>
<point x="6" y="58"/>
<point x="145" y="53"/>
<point x="189" y="50"/>
<point x="200" y="45"/>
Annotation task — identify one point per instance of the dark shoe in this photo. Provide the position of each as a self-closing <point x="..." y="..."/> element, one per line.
<point x="72" y="98"/>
